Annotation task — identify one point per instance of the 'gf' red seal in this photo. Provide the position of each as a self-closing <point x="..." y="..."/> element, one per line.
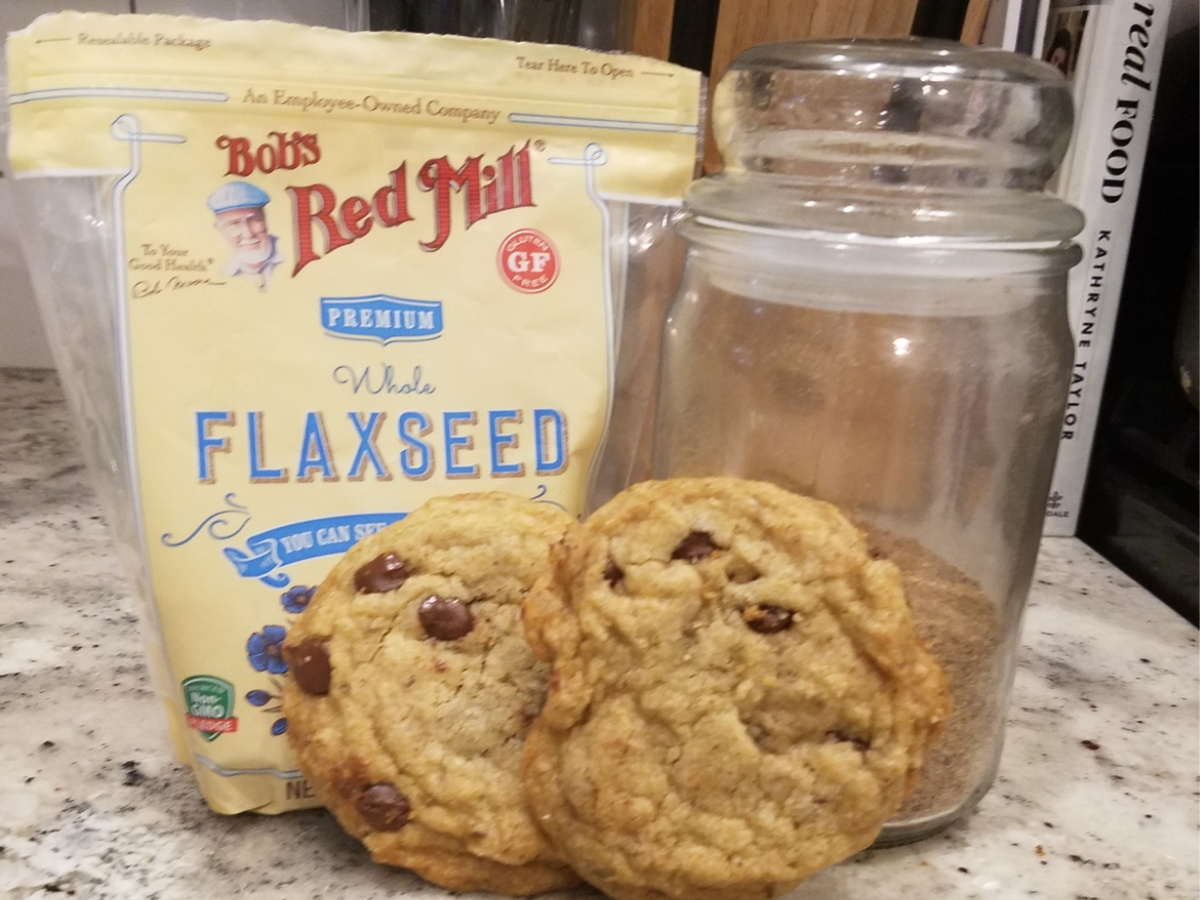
<point x="528" y="261"/>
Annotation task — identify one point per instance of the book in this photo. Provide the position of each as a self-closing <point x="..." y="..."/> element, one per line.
<point x="1111" y="50"/>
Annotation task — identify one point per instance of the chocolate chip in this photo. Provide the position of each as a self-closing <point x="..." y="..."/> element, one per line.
<point x="1091" y="745"/>
<point x="445" y="618"/>
<point x="308" y="664"/>
<point x="384" y="807"/>
<point x="613" y="574"/>
<point x="842" y="738"/>
<point x="695" y="547"/>
<point x="767" y="619"/>
<point x="382" y="574"/>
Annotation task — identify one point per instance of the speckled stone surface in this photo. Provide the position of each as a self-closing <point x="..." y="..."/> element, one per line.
<point x="1098" y="796"/>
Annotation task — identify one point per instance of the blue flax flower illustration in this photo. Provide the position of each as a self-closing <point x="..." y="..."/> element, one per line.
<point x="265" y="650"/>
<point x="278" y="727"/>
<point x="295" y="600"/>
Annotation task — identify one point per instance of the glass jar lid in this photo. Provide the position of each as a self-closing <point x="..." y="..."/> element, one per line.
<point x="890" y="138"/>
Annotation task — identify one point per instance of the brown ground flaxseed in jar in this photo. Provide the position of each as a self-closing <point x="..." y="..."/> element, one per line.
<point x="958" y="623"/>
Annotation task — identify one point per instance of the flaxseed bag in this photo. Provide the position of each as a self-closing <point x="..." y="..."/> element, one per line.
<point x="299" y="281"/>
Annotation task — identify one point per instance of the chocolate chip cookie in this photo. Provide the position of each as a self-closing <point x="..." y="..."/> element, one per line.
<point x="738" y="697"/>
<point x="411" y="689"/>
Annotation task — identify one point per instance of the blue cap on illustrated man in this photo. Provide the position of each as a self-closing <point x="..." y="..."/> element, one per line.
<point x="239" y="208"/>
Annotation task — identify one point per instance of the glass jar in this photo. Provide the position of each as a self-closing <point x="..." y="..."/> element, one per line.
<point x="873" y="312"/>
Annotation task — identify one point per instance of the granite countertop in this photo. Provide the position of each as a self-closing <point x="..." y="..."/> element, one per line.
<point x="1098" y="794"/>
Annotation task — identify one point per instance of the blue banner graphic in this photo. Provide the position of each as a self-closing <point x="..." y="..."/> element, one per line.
<point x="270" y="551"/>
<point x="382" y="318"/>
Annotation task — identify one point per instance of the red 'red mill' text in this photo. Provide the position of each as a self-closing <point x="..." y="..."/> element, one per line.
<point x="323" y="223"/>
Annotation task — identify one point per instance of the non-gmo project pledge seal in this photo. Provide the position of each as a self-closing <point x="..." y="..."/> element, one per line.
<point x="528" y="261"/>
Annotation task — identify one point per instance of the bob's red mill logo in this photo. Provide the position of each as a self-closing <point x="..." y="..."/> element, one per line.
<point x="323" y="223"/>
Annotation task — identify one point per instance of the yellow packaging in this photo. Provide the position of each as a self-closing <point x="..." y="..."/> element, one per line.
<point x="299" y="281"/>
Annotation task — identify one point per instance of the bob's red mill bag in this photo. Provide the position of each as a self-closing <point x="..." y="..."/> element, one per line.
<point x="299" y="281"/>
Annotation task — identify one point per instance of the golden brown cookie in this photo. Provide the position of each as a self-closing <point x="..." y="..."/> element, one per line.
<point x="411" y="689"/>
<point x="738" y="697"/>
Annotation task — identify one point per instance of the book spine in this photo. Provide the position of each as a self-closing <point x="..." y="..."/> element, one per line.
<point x="1104" y="175"/>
